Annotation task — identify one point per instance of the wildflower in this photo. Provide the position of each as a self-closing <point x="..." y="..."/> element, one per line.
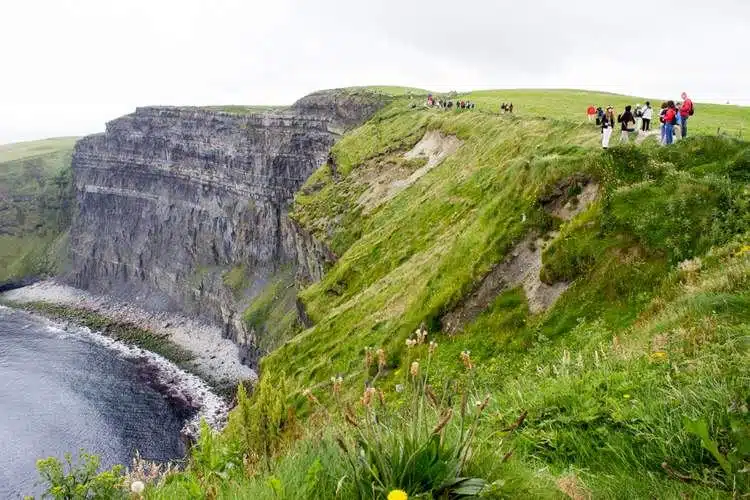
<point x="466" y="359"/>
<point x="367" y="396"/>
<point x="414" y="368"/>
<point x="411" y="342"/>
<point x="368" y="357"/>
<point x="690" y="265"/>
<point x="399" y="388"/>
<point x="421" y="334"/>
<point x="397" y="495"/>
<point x="381" y="397"/>
<point x="381" y="358"/>
<point x="743" y="250"/>
<point x="444" y="419"/>
<point x="137" y="487"/>
<point x="337" y="382"/>
<point x="310" y="396"/>
<point x="433" y="346"/>
<point x="481" y="405"/>
<point x="659" y="356"/>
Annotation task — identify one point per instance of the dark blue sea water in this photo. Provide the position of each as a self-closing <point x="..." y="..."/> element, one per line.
<point x="60" y="391"/>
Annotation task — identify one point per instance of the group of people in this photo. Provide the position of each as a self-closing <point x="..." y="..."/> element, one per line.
<point x="447" y="103"/>
<point x="673" y="117"/>
<point x="506" y="107"/>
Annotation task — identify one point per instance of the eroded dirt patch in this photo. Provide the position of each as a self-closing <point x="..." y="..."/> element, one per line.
<point x="523" y="265"/>
<point x="570" y="197"/>
<point x="386" y="183"/>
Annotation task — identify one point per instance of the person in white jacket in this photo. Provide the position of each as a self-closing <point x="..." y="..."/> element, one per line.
<point x="647" y="113"/>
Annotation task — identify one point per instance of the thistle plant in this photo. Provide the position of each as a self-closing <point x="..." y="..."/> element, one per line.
<point x="419" y="448"/>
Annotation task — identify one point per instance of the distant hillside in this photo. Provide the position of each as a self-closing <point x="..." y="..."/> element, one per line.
<point x="35" y="204"/>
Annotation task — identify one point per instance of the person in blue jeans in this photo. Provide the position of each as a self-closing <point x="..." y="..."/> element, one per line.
<point x="686" y="111"/>
<point x="663" y="130"/>
<point x="670" y="119"/>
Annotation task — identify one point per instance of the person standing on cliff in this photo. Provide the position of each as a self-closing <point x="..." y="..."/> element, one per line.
<point x="686" y="111"/>
<point x="608" y="123"/>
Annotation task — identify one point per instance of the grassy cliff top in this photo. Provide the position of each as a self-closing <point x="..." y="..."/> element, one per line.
<point x="638" y="268"/>
<point x="29" y="149"/>
<point x="35" y="204"/>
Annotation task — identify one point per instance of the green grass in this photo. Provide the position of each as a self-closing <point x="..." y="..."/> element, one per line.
<point x="571" y="105"/>
<point x="651" y="334"/>
<point x="36" y="202"/>
<point x="412" y="259"/>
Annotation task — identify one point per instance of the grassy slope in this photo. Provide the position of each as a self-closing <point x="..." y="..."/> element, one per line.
<point x="412" y="259"/>
<point x="35" y="204"/>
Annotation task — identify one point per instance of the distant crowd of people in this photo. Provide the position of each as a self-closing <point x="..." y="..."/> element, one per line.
<point x="672" y="116"/>
<point x="448" y="104"/>
<point x="506" y="107"/>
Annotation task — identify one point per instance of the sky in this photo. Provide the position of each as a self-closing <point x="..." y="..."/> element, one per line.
<point x="69" y="66"/>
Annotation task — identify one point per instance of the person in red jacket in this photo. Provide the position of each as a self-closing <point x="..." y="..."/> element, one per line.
<point x="670" y="119"/>
<point x="686" y="111"/>
<point x="591" y="112"/>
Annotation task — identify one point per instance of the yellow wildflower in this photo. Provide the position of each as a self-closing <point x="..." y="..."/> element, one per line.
<point x="659" y="356"/>
<point x="397" y="495"/>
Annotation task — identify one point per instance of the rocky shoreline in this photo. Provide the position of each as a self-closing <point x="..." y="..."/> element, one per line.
<point x="214" y="360"/>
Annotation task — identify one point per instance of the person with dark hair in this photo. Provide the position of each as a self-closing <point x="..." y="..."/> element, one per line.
<point x="599" y="115"/>
<point x="646" y="113"/>
<point x="510" y="108"/>
<point x="662" y="113"/>
<point x="503" y="108"/>
<point x="670" y="120"/>
<point x="608" y="124"/>
<point x="627" y="124"/>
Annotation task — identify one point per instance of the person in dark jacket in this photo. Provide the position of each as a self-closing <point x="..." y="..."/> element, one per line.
<point x="608" y="124"/>
<point x="627" y="124"/>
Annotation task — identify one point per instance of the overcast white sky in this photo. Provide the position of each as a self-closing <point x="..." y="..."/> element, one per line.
<point x="68" y="66"/>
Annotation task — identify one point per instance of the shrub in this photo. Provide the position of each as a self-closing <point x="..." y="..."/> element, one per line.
<point x="80" y="480"/>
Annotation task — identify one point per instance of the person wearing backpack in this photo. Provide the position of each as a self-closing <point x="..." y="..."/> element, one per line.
<point x="670" y="120"/>
<point x="646" y="113"/>
<point x="686" y="111"/>
<point x="608" y="124"/>
<point x="627" y="124"/>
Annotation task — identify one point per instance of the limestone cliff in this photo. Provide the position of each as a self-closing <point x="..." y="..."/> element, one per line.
<point x="184" y="209"/>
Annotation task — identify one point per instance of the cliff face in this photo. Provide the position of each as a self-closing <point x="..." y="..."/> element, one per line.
<point x="184" y="209"/>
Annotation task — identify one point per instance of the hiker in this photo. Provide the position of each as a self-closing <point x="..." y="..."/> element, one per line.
<point x="678" y="121"/>
<point x="686" y="111"/>
<point x="599" y="114"/>
<point x="510" y="108"/>
<point x="502" y="108"/>
<point x="608" y="123"/>
<point x="591" y="113"/>
<point x="662" y="113"/>
<point x="638" y="114"/>
<point x="626" y="119"/>
<point x="646" y="114"/>
<point x="670" y="120"/>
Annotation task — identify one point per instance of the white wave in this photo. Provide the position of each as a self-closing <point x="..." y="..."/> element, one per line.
<point x="182" y="385"/>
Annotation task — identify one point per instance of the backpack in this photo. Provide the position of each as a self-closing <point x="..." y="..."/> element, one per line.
<point x="674" y="119"/>
<point x="692" y="109"/>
